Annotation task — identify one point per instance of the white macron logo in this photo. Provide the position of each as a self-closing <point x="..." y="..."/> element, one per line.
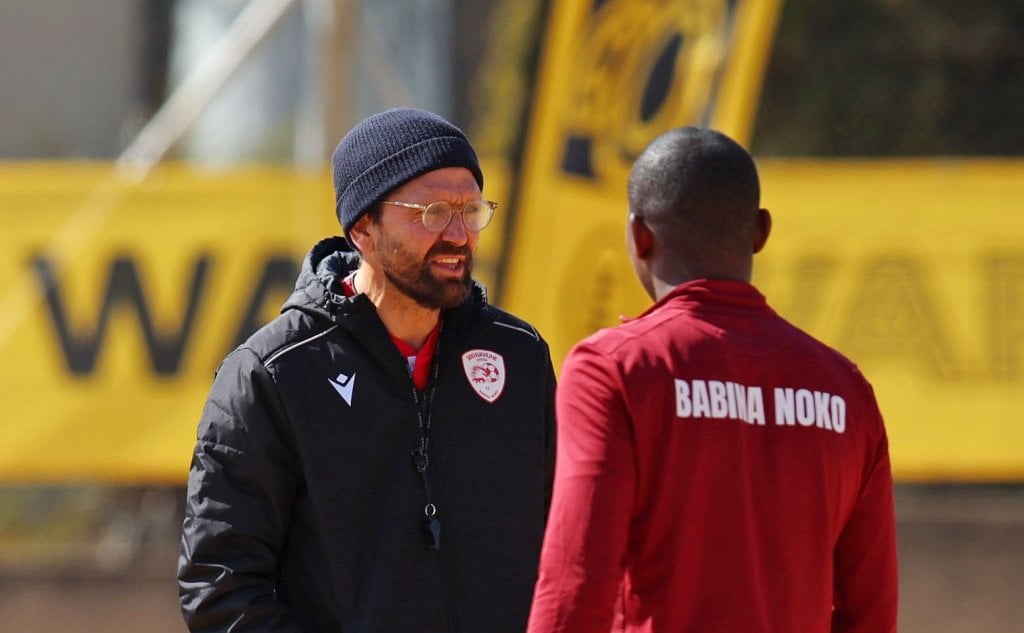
<point x="343" y="385"/>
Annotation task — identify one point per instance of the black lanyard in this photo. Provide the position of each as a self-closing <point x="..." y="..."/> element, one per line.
<point x="421" y="455"/>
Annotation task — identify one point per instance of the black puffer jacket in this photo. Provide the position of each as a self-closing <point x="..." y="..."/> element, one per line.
<point x="306" y="511"/>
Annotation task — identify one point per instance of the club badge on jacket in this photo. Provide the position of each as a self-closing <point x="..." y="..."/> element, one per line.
<point x="485" y="372"/>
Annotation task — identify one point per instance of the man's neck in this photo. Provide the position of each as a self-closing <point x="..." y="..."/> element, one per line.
<point x="402" y="317"/>
<point x="666" y="279"/>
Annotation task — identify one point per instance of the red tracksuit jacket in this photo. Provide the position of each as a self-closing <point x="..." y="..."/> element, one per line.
<point x="718" y="470"/>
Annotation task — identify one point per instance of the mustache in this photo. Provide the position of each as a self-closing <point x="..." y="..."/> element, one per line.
<point x="443" y="248"/>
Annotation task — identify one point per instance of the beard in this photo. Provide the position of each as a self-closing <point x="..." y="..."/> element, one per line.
<point x="413" y="276"/>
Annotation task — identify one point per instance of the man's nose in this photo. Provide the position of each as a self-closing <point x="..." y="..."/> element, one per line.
<point x="456" y="232"/>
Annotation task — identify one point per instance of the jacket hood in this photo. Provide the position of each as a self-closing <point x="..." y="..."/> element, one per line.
<point x="330" y="260"/>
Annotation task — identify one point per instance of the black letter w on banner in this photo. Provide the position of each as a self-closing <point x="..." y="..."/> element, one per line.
<point x="123" y="287"/>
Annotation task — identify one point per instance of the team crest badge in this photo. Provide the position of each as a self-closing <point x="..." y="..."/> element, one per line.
<point x="485" y="371"/>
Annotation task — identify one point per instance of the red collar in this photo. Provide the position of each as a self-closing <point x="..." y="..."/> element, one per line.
<point x="348" y="285"/>
<point x="421" y="359"/>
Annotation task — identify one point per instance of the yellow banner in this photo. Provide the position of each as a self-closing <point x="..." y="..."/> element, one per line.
<point x="119" y="299"/>
<point x="914" y="269"/>
<point x="614" y="75"/>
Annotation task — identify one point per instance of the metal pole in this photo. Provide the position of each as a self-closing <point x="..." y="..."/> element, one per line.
<point x="326" y="108"/>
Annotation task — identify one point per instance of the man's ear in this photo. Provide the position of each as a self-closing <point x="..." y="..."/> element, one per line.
<point x="359" y="235"/>
<point x="763" y="229"/>
<point x="641" y="236"/>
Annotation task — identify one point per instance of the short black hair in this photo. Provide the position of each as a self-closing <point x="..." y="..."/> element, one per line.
<point x="698" y="180"/>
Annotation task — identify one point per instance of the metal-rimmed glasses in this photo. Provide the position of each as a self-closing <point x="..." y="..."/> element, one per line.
<point x="436" y="216"/>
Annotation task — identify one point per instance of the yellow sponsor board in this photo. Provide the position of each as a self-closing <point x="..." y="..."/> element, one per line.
<point x="614" y="75"/>
<point x="914" y="269"/>
<point x="120" y="299"/>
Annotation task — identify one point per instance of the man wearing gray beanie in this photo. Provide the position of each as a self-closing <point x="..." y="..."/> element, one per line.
<point x="380" y="456"/>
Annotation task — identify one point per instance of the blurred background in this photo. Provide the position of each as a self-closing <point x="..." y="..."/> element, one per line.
<point x="164" y="166"/>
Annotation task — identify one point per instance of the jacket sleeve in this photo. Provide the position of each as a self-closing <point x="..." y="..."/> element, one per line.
<point x="595" y="476"/>
<point x="866" y="584"/>
<point x="238" y="506"/>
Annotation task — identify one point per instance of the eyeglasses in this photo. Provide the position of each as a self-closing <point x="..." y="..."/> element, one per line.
<point x="476" y="214"/>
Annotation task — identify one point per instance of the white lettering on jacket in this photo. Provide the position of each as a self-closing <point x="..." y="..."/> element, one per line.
<point x="726" y="400"/>
<point x="718" y="399"/>
<point x="809" y="408"/>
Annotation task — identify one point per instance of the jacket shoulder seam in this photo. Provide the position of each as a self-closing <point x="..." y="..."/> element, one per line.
<point x="284" y="350"/>
<point x="531" y="333"/>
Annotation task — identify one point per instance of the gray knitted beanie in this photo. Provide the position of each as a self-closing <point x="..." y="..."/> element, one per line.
<point x="389" y="149"/>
